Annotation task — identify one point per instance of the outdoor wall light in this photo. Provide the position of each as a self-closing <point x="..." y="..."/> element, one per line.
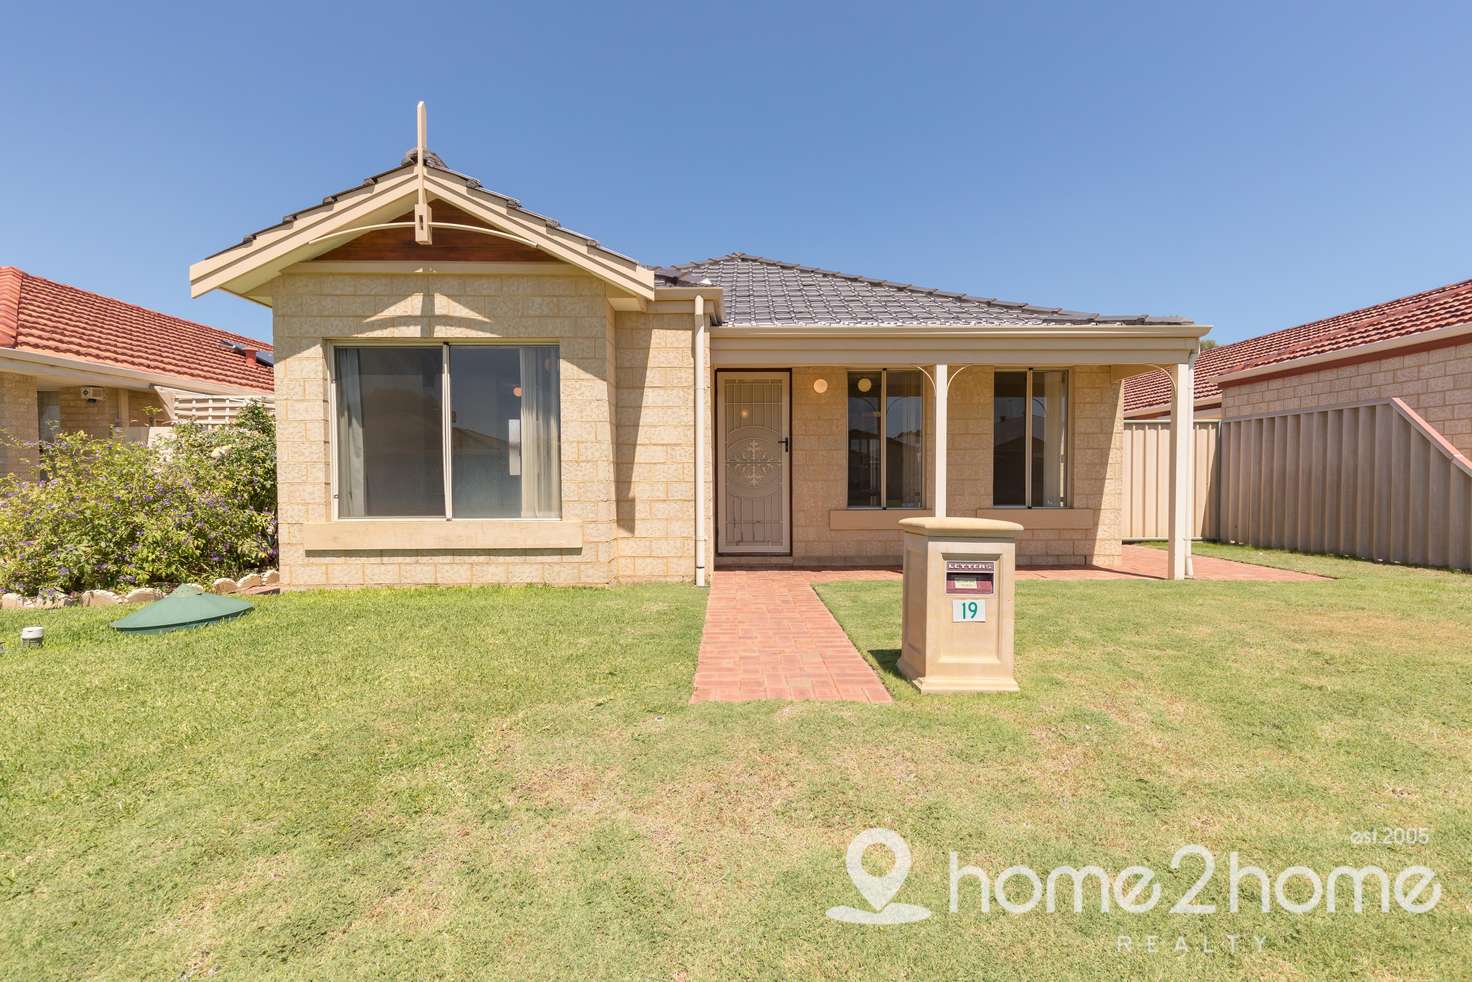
<point x="820" y="386"/>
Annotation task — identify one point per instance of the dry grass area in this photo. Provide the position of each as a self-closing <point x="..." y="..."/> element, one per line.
<point x="464" y="782"/>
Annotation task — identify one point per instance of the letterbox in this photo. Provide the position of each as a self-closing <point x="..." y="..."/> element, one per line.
<point x="957" y="606"/>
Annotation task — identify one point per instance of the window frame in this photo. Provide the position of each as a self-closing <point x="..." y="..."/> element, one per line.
<point x="883" y="435"/>
<point x="330" y="348"/>
<point x="1028" y="414"/>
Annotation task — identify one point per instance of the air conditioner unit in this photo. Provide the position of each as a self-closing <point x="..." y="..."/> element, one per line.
<point x="92" y="393"/>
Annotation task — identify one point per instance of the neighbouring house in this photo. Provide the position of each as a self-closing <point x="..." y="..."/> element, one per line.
<point x="71" y="360"/>
<point x="470" y="392"/>
<point x="1417" y="349"/>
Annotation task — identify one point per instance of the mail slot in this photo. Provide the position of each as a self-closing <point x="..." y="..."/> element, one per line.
<point x="957" y="606"/>
<point x="977" y="579"/>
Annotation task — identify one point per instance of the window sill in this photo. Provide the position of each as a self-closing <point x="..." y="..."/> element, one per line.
<point x="486" y="534"/>
<point x="872" y="519"/>
<point x="1044" y="518"/>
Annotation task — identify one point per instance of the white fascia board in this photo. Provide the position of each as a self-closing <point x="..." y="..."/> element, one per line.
<point x="241" y="269"/>
<point x="714" y="296"/>
<point x="116" y="376"/>
<point x="1062" y="345"/>
<point x="573" y="249"/>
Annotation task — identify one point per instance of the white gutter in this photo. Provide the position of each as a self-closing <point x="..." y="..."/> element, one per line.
<point x="699" y="440"/>
<point x="1347" y="354"/>
<point x="1110" y="329"/>
<point x="98" y="373"/>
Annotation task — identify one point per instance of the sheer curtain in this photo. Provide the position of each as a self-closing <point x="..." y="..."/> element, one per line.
<point x="541" y="449"/>
<point x="1049" y="438"/>
<point x="350" y="490"/>
<point x="904" y="440"/>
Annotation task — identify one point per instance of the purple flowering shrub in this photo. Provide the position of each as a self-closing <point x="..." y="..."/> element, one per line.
<point x="113" y="515"/>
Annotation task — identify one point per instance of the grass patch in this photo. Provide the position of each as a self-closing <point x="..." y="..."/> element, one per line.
<point x="456" y="782"/>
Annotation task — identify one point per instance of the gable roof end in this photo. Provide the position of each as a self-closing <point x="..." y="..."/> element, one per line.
<point x="298" y="237"/>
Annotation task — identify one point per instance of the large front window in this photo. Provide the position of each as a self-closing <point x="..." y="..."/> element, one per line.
<point x="1030" y="439"/>
<point x="886" y="439"/>
<point x="448" y="431"/>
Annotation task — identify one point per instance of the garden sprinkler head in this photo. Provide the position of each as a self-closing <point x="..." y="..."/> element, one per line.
<point x="31" y="637"/>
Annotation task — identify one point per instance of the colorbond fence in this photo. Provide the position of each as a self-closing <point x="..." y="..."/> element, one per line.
<point x="1371" y="480"/>
<point x="1146" y="486"/>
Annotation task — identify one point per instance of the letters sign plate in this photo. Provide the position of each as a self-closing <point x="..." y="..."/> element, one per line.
<point x="971" y="576"/>
<point x="968" y="610"/>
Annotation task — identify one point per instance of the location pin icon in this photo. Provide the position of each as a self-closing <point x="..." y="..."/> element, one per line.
<point x="878" y="890"/>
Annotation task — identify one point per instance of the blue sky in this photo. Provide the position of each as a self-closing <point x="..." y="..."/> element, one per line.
<point x="1251" y="166"/>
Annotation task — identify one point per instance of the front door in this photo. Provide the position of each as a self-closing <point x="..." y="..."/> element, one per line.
<point x="753" y="451"/>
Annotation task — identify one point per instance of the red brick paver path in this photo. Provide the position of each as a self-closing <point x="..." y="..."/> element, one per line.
<point x="768" y="636"/>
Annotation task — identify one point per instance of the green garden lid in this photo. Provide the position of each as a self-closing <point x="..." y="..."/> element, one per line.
<point x="187" y="606"/>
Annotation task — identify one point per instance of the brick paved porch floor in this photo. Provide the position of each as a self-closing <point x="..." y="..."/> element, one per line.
<point x="768" y="636"/>
<point x="1145" y="563"/>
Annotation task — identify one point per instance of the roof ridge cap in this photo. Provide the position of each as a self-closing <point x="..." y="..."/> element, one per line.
<point x="713" y="259"/>
<point x="11" y="279"/>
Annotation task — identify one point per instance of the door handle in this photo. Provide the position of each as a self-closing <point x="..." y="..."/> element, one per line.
<point x="786" y="442"/>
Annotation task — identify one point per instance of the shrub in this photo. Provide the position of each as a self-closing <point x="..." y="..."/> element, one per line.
<point x="110" y="514"/>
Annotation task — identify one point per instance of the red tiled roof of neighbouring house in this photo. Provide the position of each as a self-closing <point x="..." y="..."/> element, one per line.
<point x="1444" y="306"/>
<point x="39" y="315"/>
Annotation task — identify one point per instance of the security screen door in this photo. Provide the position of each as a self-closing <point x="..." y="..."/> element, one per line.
<point x="755" y="462"/>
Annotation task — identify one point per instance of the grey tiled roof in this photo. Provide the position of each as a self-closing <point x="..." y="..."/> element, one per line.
<point x="768" y="291"/>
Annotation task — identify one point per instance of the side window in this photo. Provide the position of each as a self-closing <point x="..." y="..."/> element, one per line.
<point x="886" y="439"/>
<point x="1030" y="439"/>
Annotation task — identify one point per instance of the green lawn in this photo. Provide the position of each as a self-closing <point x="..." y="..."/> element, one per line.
<point x="462" y="782"/>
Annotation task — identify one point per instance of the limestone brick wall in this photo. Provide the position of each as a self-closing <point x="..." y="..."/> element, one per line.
<point x="101" y="417"/>
<point x="312" y="309"/>
<point x="1096" y="424"/>
<point x="1437" y="384"/>
<point x="1088" y="532"/>
<point x="17" y="424"/>
<point x="654" y="474"/>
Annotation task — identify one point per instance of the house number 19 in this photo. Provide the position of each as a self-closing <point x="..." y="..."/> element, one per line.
<point x="968" y="610"/>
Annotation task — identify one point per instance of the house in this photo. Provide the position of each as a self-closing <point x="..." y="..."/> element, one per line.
<point x="1417" y="349"/>
<point x="71" y="360"/>
<point x="470" y="392"/>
